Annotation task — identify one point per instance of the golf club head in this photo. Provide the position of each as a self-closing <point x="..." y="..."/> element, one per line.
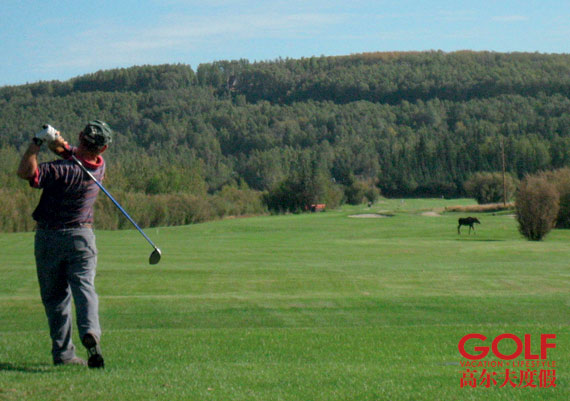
<point x="154" y="256"/>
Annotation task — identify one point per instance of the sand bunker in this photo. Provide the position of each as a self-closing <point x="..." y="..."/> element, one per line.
<point x="431" y="214"/>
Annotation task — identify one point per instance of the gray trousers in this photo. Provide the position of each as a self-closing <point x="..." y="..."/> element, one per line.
<point x="66" y="261"/>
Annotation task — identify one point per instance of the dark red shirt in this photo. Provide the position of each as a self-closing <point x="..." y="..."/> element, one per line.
<point x="68" y="193"/>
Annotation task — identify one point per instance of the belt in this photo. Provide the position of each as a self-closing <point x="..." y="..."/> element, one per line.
<point x="50" y="226"/>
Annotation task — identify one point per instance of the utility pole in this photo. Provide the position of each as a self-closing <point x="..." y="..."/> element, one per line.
<point x="504" y="179"/>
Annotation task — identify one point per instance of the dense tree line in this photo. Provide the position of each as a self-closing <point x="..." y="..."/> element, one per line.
<point x="411" y="124"/>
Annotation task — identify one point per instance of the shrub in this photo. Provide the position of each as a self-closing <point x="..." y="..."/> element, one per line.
<point x="147" y="210"/>
<point x="561" y="180"/>
<point x="233" y="201"/>
<point x="360" y="190"/>
<point x="486" y="208"/>
<point x="300" y="190"/>
<point x="334" y="196"/>
<point x="372" y="194"/>
<point x="106" y="213"/>
<point x="290" y="196"/>
<point x="488" y="187"/>
<point x="355" y="192"/>
<point x="16" y="207"/>
<point x="536" y="207"/>
<point x="175" y="209"/>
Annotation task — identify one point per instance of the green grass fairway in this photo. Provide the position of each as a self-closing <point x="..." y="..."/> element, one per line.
<point x="300" y="307"/>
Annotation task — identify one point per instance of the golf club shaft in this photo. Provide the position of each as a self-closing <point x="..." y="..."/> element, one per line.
<point x="113" y="200"/>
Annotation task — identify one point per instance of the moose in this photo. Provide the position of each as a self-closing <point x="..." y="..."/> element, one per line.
<point x="467" y="221"/>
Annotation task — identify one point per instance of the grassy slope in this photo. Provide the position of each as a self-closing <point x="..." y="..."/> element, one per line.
<point x="319" y="307"/>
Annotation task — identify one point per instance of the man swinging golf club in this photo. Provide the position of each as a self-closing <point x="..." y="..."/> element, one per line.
<point x="65" y="251"/>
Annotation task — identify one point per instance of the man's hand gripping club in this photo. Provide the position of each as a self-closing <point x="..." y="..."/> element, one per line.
<point x="48" y="133"/>
<point x="54" y="140"/>
<point x="29" y="162"/>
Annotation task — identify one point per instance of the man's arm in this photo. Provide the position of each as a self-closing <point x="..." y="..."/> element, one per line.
<point x="60" y="147"/>
<point x="29" y="163"/>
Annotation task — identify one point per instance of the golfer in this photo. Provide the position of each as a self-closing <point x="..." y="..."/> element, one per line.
<point x="65" y="251"/>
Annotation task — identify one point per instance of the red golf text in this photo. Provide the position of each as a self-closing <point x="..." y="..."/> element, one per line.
<point x="505" y="371"/>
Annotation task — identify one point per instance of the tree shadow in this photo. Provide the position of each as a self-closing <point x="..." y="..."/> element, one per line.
<point x="24" y="367"/>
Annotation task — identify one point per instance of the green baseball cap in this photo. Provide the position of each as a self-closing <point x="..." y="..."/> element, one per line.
<point x="98" y="133"/>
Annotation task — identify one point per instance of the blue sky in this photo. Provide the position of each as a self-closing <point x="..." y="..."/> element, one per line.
<point x="58" y="40"/>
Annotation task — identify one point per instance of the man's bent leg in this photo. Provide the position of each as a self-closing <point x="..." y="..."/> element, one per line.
<point x="55" y="294"/>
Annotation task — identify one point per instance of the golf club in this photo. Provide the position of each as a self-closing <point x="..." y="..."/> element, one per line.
<point x="156" y="254"/>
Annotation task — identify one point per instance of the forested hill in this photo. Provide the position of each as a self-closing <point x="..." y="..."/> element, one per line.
<point x="411" y="123"/>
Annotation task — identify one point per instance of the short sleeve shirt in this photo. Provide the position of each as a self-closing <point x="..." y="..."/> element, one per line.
<point x="68" y="193"/>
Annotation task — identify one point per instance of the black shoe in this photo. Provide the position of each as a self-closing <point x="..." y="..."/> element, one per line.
<point x="93" y="351"/>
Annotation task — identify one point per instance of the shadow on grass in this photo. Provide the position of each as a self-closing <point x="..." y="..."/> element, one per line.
<point x="24" y="367"/>
<point x="480" y="240"/>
